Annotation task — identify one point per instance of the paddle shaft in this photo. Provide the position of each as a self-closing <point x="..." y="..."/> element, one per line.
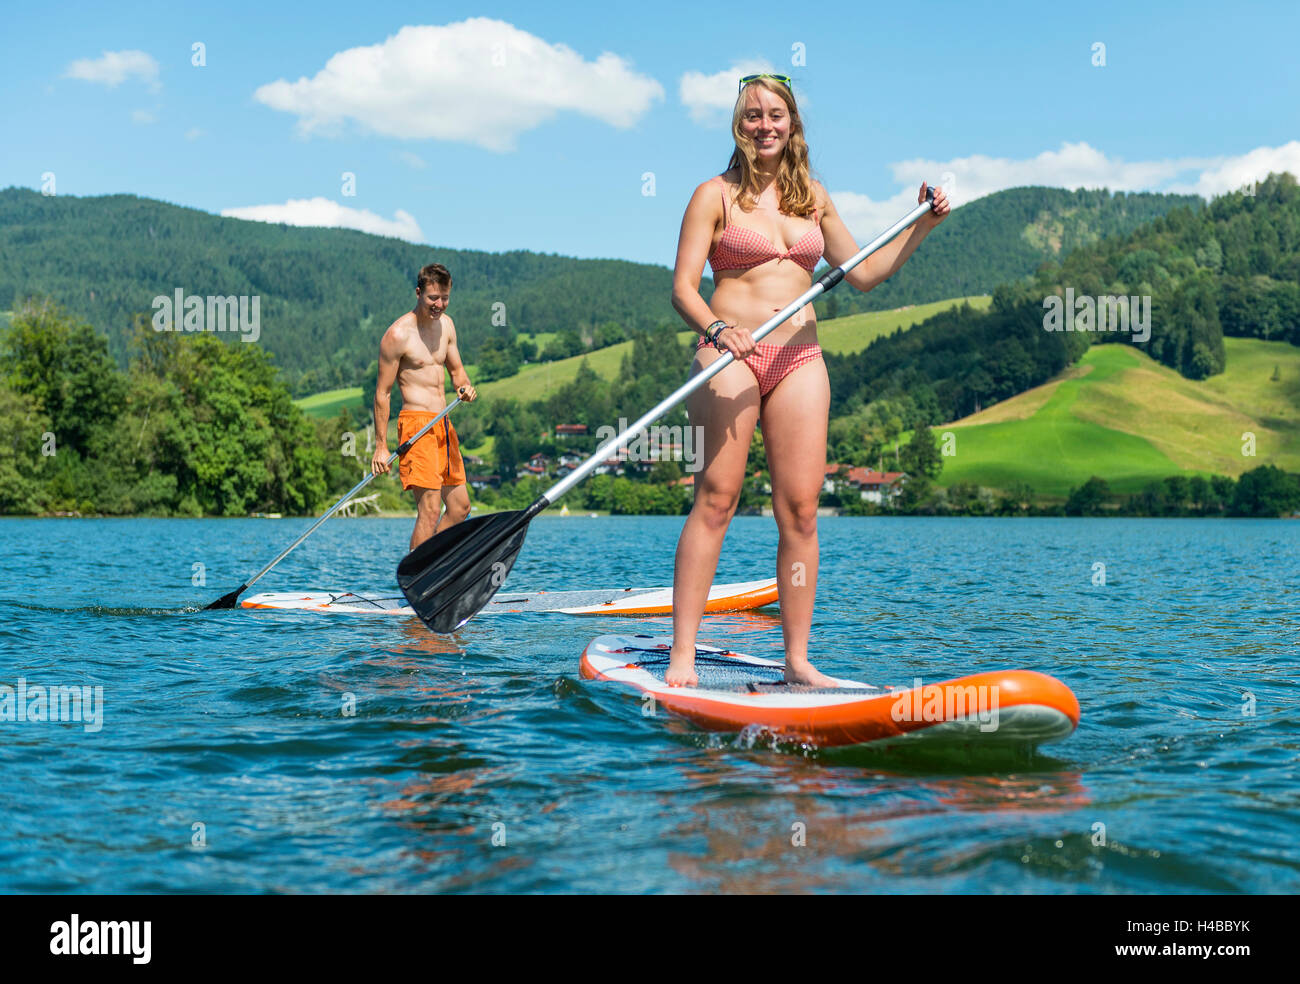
<point x="823" y="283"/>
<point x="401" y="450"/>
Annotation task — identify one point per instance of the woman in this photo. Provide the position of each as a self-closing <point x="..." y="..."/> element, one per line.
<point x="763" y="224"/>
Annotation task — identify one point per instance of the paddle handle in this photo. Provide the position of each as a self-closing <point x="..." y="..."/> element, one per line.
<point x="401" y="450"/>
<point x="823" y="283"/>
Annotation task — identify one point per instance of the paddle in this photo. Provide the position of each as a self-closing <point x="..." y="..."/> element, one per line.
<point x="450" y="576"/>
<point x="228" y="600"/>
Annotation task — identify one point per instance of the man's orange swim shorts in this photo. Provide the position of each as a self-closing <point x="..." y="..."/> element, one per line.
<point x="434" y="460"/>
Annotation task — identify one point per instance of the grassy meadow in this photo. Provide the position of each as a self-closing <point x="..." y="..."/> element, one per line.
<point x="1122" y="416"/>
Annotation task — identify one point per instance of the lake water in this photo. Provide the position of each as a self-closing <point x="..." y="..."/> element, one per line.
<point x="224" y="762"/>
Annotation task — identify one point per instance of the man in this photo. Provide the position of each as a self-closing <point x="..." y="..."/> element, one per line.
<point x="414" y="350"/>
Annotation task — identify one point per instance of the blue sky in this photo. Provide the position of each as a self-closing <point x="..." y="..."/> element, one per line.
<point x="502" y="126"/>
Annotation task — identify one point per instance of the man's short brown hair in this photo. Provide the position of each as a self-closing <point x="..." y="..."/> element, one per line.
<point x="434" y="273"/>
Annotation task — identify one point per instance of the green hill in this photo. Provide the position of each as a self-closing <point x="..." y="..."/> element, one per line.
<point x="854" y="332"/>
<point x="329" y="403"/>
<point x="326" y="294"/>
<point x="839" y="335"/>
<point x="1192" y="278"/>
<point x="1122" y="416"/>
<point x="1003" y="238"/>
<point x="535" y="382"/>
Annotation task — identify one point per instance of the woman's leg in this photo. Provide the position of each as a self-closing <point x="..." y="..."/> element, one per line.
<point x="794" y="435"/>
<point x="726" y="411"/>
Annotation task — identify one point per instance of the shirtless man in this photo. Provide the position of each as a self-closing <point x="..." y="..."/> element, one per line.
<point x="413" y="353"/>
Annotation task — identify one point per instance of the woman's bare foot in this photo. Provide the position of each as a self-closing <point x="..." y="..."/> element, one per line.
<point x="681" y="669"/>
<point x="802" y="672"/>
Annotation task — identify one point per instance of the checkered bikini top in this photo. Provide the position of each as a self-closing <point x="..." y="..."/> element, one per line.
<point x="740" y="249"/>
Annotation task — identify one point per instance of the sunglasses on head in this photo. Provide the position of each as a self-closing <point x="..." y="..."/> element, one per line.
<point x="783" y="79"/>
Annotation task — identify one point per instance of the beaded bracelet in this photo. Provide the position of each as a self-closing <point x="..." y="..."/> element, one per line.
<point x="713" y="333"/>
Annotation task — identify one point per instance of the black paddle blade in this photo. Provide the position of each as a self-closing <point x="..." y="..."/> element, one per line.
<point x="450" y="577"/>
<point x="226" y="600"/>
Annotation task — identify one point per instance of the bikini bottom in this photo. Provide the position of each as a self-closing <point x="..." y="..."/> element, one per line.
<point x="771" y="362"/>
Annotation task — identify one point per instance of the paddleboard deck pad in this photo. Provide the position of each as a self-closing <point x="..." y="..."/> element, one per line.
<point x="742" y="596"/>
<point x="738" y="692"/>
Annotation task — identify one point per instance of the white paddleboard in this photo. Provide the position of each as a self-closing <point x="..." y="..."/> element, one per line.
<point x="741" y="596"/>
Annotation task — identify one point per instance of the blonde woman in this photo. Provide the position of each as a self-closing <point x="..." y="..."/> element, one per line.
<point x="762" y="225"/>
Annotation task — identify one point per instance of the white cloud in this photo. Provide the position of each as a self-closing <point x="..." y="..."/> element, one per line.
<point x="1076" y="165"/>
<point x="478" y="81"/>
<point x="709" y="98"/>
<point x="143" y="117"/>
<point x="194" y="132"/>
<point x="1234" y="172"/>
<point x="412" y="160"/>
<point x="112" y="68"/>
<point x="323" y="212"/>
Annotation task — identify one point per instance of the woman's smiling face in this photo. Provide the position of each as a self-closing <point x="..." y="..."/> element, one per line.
<point x="766" y="121"/>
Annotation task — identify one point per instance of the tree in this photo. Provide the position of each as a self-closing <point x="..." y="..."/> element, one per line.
<point x="1176" y="492"/>
<point x="665" y="472"/>
<point x="526" y="349"/>
<point x="497" y="360"/>
<point x="1089" y="498"/>
<point x="757" y="458"/>
<point x="217" y="417"/>
<point x="1222" y="489"/>
<point x="916" y="491"/>
<point x="1266" y="491"/>
<point x="64" y="366"/>
<point x="470" y="429"/>
<point x="920" y="456"/>
<point x="1018" y="499"/>
<point x="20" y="452"/>
<point x="609" y="333"/>
<point x="567" y="343"/>
<point x="1200" y="493"/>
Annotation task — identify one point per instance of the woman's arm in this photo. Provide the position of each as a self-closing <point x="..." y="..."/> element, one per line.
<point x="703" y="214"/>
<point x="886" y="261"/>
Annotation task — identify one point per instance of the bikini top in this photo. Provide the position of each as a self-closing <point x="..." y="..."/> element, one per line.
<point x="739" y="248"/>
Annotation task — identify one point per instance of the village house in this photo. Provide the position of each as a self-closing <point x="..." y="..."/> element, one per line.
<point x="875" y="486"/>
<point x="832" y="474"/>
<point x="537" y="467"/>
<point x="568" y="462"/>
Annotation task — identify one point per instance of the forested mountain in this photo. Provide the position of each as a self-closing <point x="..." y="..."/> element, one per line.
<point x="1232" y="268"/>
<point x="1002" y="239"/>
<point x="326" y="294"/>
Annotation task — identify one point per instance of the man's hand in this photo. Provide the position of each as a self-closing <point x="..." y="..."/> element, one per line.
<point x="379" y="463"/>
<point x="467" y="393"/>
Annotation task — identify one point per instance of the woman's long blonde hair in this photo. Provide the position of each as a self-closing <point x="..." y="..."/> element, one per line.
<point x="793" y="177"/>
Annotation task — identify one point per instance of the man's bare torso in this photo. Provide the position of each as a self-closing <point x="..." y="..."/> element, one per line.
<point x="421" y="367"/>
